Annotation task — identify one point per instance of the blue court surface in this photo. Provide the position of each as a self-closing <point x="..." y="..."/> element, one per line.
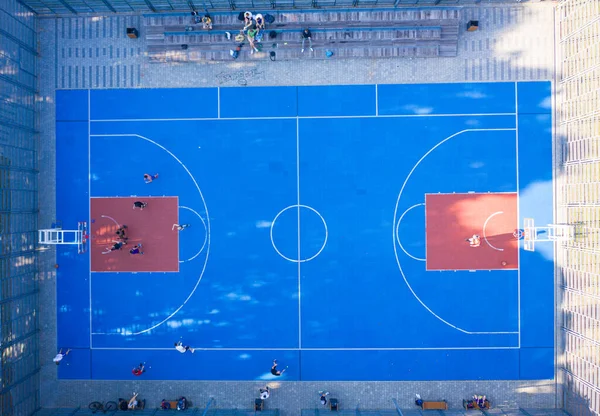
<point x="294" y="196"/>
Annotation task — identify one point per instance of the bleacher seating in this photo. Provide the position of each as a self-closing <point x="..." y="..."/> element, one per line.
<point x="380" y="33"/>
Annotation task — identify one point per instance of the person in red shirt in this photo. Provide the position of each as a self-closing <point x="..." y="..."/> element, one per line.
<point x="139" y="370"/>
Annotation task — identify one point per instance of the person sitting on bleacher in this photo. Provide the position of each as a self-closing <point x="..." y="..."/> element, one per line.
<point x="206" y="22"/>
<point x="248" y="20"/>
<point x="133" y="403"/>
<point x="181" y="403"/>
<point x="260" y="22"/>
<point x="251" y="40"/>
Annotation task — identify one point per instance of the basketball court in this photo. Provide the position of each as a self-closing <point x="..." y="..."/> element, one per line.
<point x="328" y="229"/>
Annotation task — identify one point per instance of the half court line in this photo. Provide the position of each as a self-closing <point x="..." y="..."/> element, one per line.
<point x="299" y="253"/>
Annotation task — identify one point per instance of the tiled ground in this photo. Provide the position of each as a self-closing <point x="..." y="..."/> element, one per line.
<point x="513" y="43"/>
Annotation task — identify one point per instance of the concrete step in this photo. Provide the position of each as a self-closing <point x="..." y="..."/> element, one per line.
<point x="318" y="53"/>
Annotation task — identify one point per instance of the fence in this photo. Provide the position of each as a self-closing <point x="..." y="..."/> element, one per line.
<point x="578" y="202"/>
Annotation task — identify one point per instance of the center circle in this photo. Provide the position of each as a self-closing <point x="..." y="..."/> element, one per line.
<point x="299" y="233"/>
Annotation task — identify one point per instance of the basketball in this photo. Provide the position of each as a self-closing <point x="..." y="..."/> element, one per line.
<point x="504" y="263"/>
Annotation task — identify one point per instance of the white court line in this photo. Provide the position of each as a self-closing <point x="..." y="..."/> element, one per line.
<point x="205" y="235"/>
<point x="471" y="193"/>
<point x="485" y="225"/>
<point x="518" y="214"/>
<point x="298" y="203"/>
<point x="111" y="218"/>
<point x="90" y="209"/>
<point x="315" y="349"/>
<point x="273" y="240"/>
<point x="299" y="117"/>
<point x="218" y="102"/>
<point x="133" y="196"/>
<point x="208" y="227"/>
<point x="376" y="100"/>
<point x="394" y="236"/>
<point x="398" y="233"/>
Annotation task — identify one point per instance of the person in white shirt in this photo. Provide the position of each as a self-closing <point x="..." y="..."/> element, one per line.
<point x="265" y="393"/>
<point x="474" y="241"/>
<point x="60" y="356"/>
<point x="183" y="348"/>
<point x="133" y="403"/>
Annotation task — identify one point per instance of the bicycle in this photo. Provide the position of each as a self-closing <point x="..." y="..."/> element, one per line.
<point x="109" y="406"/>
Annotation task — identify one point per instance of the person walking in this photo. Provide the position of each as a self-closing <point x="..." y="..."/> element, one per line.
<point x="137" y="249"/>
<point x="139" y="204"/>
<point x="59" y="357"/>
<point x="306" y="35"/>
<point x="150" y="178"/>
<point x="323" y="397"/>
<point x="179" y="227"/>
<point x="265" y="393"/>
<point x="275" y="371"/>
<point x="183" y="348"/>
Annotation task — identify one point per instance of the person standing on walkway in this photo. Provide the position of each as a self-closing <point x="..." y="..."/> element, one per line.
<point x="183" y="348"/>
<point x="323" y="397"/>
<point x="150" y="178"/>
<point x="265" y="393"/>
<point x="58" y="358"/>
<point x="139" y="204"/>
<point x="306" y="35"/>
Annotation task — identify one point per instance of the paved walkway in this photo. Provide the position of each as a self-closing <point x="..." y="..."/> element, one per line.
<point x="513" y="43"/>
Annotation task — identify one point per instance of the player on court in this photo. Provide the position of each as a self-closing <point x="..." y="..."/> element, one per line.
<point x="275" y="371"/>
<point x="474" y="241"/>
<point x="60" y="356"/>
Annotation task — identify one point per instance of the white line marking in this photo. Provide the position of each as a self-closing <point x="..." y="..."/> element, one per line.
<point x="518" y="214"/>
<point x="398" y="234"/>
<point x="469" y="193"/>
<point x="90" y="209"/>
<point x="300" y="117"/>
<point x="394" y="229"/>
<point x="112" y="219"/>
<point x="485" y="225"/>
<point x="218" y="102"/>
<point x="299" y="250"/>
<point x="205" y="235"/>
<point x="315" y="349"/>
<point x="376" y="100"/>
<point x="299" y="260"/>
<point x="132" y="196"/>
<point x="207" y="220"/>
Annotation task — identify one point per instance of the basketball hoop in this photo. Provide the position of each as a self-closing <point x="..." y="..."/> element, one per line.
<point x="550" y="232"/>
